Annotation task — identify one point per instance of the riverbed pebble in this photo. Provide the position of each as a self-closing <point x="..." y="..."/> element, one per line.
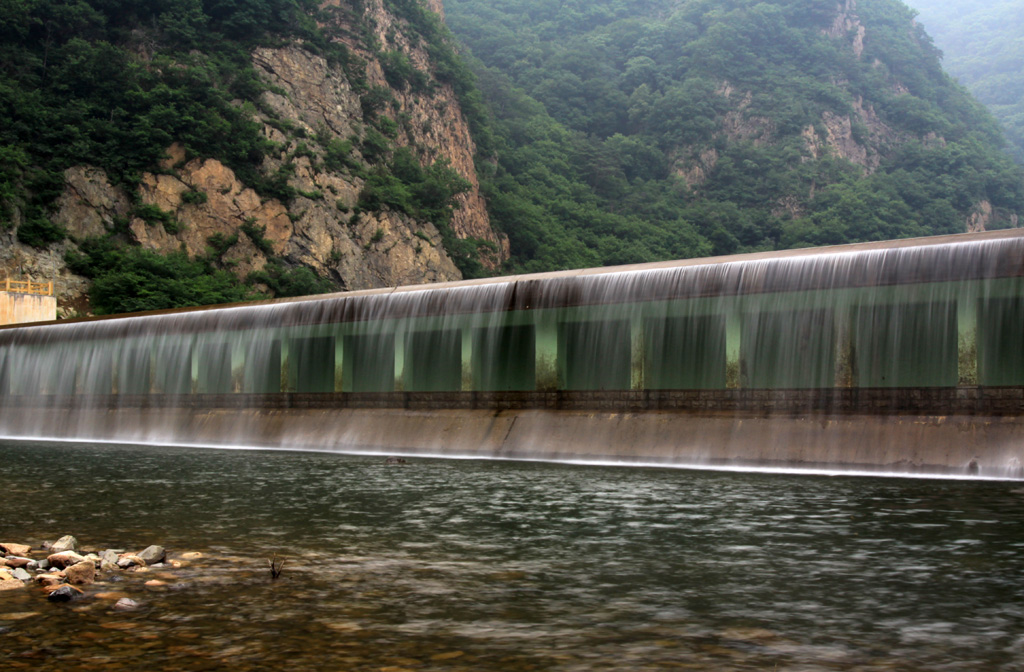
<point x="67" y="575"/>
<point x="152" y="555"/>
<point x="126" y="560"/>
<point x="82" y="573"/>
<point x="64" y="559"/>
<point x="15" y="549"/>
<point x="65" y="543"/>
<point x="21" y="575"/>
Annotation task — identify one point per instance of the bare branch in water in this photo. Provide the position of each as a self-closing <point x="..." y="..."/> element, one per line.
<point x="276" y="566"/>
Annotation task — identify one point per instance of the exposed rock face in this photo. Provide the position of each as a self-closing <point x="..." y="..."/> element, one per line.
<point x="980" y="218"/>
<point x="859" y="138"/>
<point x="371" y="250"/>
<point x="205" y="199"/>
<point x="847" y="24"/>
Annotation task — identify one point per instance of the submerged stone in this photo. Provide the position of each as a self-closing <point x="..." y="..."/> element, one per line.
<point x="126" y="604"/>
<point x="64" y="593"/>
<point x="46" y="580"/>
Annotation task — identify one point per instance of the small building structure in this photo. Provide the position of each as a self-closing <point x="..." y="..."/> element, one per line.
<point x="24" y="301"/>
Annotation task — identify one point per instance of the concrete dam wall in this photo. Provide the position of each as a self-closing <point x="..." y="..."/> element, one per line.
<point x="903" y="356"/>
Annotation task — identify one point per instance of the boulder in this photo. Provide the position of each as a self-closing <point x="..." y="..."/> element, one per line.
<point x="82" y="573"/>
<point x="65" y="543"/>
<point x="13" y="561"/>
<point x="6" y="575"/>
<point x="110" y="556"/>
<point x="11" y="585"/>
<point x="15" y="549"/>
<point x="153" y="555"/>
<point x="64" y="559"/>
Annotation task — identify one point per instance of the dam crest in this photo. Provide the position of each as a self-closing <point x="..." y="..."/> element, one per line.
<point x="902" y="356"/>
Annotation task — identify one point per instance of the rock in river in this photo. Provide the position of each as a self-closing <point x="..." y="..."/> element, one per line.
<point x="65" y="543"/>
<point x="81" y="573"/>
<point x="64" y="559"/>
<point x="153" y="554"/>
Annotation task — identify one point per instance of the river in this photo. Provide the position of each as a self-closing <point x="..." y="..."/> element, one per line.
<point x="446" y="564"/>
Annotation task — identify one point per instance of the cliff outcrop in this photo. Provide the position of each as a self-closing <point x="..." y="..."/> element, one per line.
<point x="314" y="111"/>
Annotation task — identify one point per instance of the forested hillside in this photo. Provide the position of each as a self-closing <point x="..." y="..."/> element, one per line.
<point x="160" y="153"/>
<point x="983" y="47"/>
<point x="643" y="129"/>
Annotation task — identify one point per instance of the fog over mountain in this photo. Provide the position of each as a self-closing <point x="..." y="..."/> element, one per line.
<point x="983" y="46"/>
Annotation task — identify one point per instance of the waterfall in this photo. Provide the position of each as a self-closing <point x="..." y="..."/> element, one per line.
<point x="722" y="352"/>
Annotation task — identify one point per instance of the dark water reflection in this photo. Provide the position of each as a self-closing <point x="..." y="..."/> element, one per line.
<point x="481" y="565"/>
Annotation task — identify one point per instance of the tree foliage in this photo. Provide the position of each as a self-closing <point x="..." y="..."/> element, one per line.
<point x="635" y="130"/>
<point x="129" y="279"/>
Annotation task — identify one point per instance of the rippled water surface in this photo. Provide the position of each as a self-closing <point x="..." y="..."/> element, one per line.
<point x="485" y="565"/>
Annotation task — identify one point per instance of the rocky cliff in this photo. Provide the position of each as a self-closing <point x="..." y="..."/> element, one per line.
<point x="315" y="112"/>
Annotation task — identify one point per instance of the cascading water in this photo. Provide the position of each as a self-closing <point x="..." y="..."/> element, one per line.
<point x="864" y="356"/>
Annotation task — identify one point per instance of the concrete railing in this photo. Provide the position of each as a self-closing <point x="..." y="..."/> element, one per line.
<point x="28" y="287"/>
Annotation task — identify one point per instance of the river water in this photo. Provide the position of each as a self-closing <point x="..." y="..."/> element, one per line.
<point x="492" y="565"/>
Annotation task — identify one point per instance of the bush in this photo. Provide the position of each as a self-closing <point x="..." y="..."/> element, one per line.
<point x="130" y="279"/>
<point x="285" y="282"/>
<point x="40" y="232"/>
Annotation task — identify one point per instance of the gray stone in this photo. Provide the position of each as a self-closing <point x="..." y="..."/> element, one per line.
<point x="153" y="554"/>
<point x="65" y="543"/>
<point x="109" y="555"/>
<point x="21" y="574"/>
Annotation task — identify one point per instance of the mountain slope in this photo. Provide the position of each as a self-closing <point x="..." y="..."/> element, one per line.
<point x="171" y="153"/>
<point x="644" y="129"/>
<point x="983" y="46"/>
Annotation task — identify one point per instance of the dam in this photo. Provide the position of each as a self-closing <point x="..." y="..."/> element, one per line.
<point x="904" y="356"/>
